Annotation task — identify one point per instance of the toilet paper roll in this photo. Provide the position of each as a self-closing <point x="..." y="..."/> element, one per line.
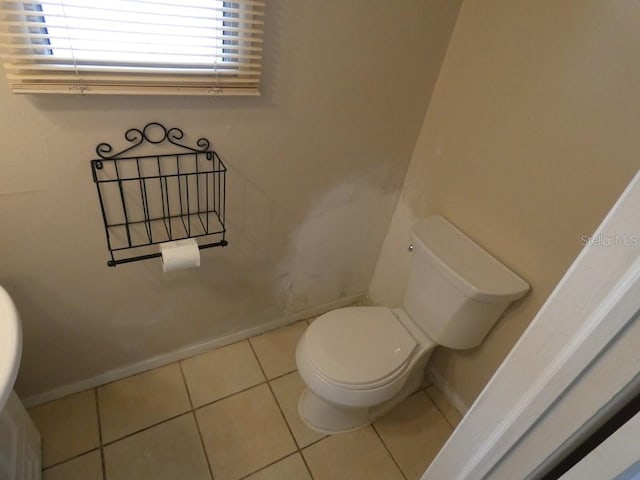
<point x="180" y="254"/>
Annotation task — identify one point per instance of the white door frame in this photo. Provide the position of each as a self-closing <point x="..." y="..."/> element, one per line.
<point x="591" y="306"/>
<point x="615" y="458"/>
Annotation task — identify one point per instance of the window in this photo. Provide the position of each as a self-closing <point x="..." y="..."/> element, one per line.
<point x="200" y="47"/>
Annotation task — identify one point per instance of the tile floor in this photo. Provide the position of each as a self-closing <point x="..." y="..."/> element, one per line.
<point x="230" y="414"/>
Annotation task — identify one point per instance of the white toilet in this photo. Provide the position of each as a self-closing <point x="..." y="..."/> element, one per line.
<point x="359" y="362"/>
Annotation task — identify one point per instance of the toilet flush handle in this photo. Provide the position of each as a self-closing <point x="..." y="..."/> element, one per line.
<point x="410" y="247"/>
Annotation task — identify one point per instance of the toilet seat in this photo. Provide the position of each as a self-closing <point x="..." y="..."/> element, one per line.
<point x="359" y="347"/>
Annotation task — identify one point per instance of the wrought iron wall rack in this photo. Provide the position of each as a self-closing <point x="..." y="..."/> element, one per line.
<point x="153" y="198"/>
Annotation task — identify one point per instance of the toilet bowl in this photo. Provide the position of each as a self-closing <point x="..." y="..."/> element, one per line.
<point x="357" y="363"/>
<point x="369" y="365"/>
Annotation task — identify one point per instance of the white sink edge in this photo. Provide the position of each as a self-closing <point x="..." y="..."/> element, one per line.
<point x="10" y="345"/>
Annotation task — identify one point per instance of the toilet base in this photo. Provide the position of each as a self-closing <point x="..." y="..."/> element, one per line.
<point x="330" y="419"/>
<point x="327" y="418"/>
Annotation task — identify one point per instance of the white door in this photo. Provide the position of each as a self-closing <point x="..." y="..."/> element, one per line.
<point x="618" y="457"/>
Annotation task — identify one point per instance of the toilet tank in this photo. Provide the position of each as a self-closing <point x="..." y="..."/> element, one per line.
<point x="456" y="290"/>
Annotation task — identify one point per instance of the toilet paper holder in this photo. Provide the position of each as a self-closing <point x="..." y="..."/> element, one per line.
<point x="156" y="197"/>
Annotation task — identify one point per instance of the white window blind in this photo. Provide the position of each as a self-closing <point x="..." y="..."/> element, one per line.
<point x="193" y="47"/>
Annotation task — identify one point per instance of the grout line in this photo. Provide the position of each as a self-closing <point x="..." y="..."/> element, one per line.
<point x="173" y="417"/>
<point x="195" y="419"/>
<point x="282" y="375"/>
<point x="435" y="404"/>
<point x="284" y="418"/>
<point x="268" y="465"/>
<point x="228" y="396"/>
<point x="131" y="434"/>
<point x="99" y="447"/>
<point x="389" y="452"/>
<point x="186" y="385"/>
<point x="315" y="441"/>
<point x="275" y="399"/>
<point x="204" y="448"/>
<point x="104" y="467"/>
<point x="304" y="460"/>
<point x="78" y="455"/>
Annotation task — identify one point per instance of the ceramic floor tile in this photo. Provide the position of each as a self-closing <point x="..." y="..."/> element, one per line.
<point x="243" y="433"/>
<point x="85" y="467"/>
<point x="169" y="451"/>
<point x="277" y="350"/>
<point x="358" y="455"/>
<point x="68" y="427"/>
<point x="221" y="372"/>
<point x="290" y="468"/>
<point x="140" y="401"/>
<point x="287" y="390"/>
<point x="414" y="432"/>
<point x="445" y="406"/>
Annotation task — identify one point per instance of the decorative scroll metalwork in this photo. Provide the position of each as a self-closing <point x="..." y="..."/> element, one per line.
<point x="146" y="200"/>
<point x="137" y="137"/>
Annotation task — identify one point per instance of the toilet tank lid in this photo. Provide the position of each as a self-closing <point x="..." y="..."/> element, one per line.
<point x="476" y="272"/>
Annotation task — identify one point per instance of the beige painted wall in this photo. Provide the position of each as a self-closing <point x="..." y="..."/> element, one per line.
<point x="316" y="165"/>
<point x="530" y="136"/>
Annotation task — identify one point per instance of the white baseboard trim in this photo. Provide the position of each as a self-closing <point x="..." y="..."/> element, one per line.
<point x="453" y="397"/>
<point x="181" y="353"/>
<point x="343" y="302"/>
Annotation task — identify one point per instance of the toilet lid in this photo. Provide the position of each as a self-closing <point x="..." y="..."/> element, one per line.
<point x="358" y="345"/>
